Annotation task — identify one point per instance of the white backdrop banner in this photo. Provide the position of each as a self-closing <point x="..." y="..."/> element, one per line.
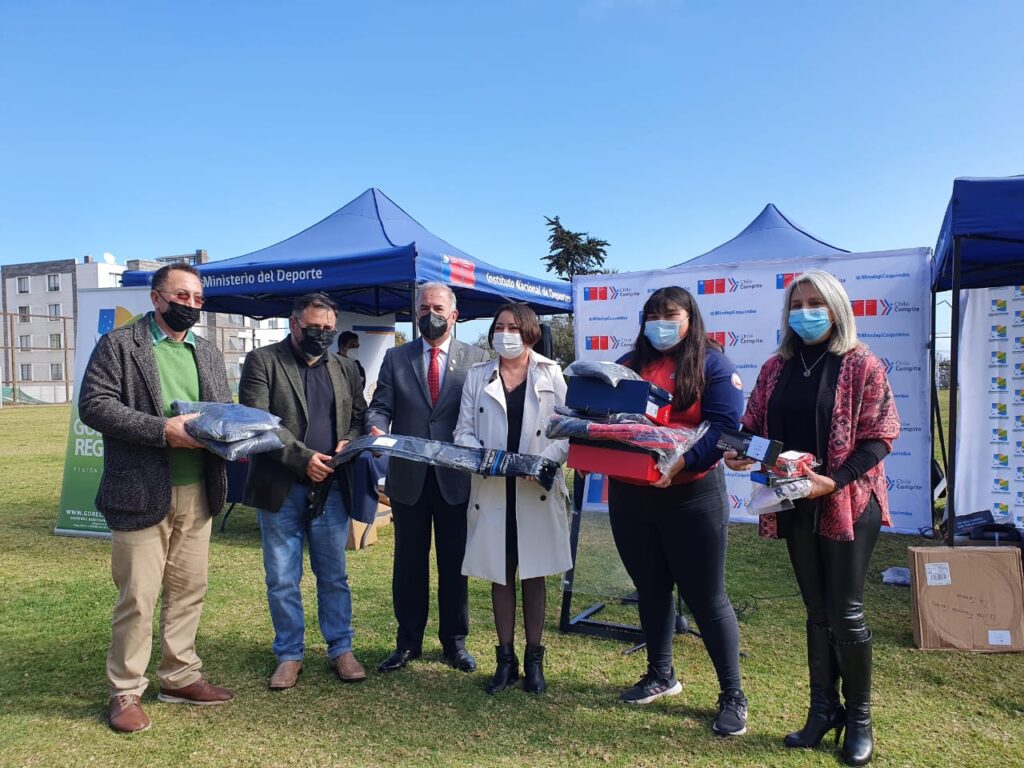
<point x="990" y="443"/>
<point x="742" y="304"/>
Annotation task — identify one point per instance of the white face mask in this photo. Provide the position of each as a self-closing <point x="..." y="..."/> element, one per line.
<point x="508" y="345"/>
<point x="353" y="353"/>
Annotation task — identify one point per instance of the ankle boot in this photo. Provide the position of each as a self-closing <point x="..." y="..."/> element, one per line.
<point x="825" y="711"/>
<point x="507" y="670"/>
<point x="855" y="668"/>
<point x="533" y="669"/>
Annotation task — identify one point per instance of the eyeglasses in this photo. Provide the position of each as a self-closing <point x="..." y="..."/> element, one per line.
<point x="183" y="297"/>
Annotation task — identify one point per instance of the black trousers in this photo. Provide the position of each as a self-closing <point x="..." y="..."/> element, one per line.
<point x="831" y="574"/>
<point x="410" y="586"/>
<point x="676" y="538"/>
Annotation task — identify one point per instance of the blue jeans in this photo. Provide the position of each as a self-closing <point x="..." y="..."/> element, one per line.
<point x="283" y="534"/>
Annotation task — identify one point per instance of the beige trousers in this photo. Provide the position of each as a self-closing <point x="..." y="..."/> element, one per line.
<point x="172" y="555"/>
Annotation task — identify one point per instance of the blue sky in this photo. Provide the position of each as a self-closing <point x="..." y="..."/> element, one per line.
<point x="146" y="129"/>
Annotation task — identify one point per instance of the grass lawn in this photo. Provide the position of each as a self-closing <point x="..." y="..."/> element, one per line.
<point x="56" y="598"/>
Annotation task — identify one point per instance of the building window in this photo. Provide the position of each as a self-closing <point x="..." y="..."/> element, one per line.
<point x="55" y="341"/>
<point x="25" y="342"/>
<point x="53" y="282"/>
<point x="26" y="371"/>
<point x="56" y="372"/>
<point x="54" y="311"/>
<point x="23" y="285"/>
<point x="23" y="315"/>
<point x="235" y="320"/>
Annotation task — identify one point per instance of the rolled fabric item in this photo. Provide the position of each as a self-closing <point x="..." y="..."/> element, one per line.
<point x="482" y="461"/>
<point x="226" y="422"/>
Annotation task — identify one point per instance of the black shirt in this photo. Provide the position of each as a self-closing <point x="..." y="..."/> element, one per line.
<point x="799" y="405"/>
<point x="515" y="403"/>
<point x="319" y="391"/>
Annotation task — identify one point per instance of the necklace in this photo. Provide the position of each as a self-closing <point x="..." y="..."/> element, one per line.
<point x="808" y="369"/>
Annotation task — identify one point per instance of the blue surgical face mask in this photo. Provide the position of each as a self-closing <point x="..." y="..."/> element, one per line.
<point x="810" y="324"/>
<point x="663" y="334"/>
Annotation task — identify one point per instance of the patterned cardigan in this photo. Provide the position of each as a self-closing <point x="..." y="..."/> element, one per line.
<point x="864" y="410"/>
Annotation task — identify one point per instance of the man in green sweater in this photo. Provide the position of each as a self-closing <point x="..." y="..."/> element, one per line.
<point x="158" y="492"/>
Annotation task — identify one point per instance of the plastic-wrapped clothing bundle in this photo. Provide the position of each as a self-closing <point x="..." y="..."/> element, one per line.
<point x="230" y="430"/>
<point x="227" y="422"/>
<point x="667" y="443"/>
<point x="481" y="461"/>
<point x="611" y="373"/>
<point x="765" y="499"/>
<point x="240" y="449"/>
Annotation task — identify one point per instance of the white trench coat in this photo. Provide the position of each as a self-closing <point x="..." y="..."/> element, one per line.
<point x="541" y="516"/>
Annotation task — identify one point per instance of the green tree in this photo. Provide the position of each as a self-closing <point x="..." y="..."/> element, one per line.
<point x="562" y="342"/>
<point x="573" y="253"/>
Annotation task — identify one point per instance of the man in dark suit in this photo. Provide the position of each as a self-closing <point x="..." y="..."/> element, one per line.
<point x="158" y="492"/>
<point x="319" y="399"/>
<point x="348" y="346"/>
<point x="419" y="391"/>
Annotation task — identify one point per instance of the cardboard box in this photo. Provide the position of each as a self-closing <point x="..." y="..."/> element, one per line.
<point x="612" y="459"/>
<point x="598" y="398"/>
<point x="362" y="535"/>
<point x="967" y="598"/>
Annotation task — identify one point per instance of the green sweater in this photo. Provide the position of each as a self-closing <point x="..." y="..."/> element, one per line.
<point x="179" y="380"/>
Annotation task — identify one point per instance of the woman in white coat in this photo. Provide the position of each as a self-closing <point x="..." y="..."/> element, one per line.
<point x="514" y="524"/>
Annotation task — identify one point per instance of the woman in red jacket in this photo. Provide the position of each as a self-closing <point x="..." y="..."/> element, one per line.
<point x="823" y="392"/>
<point x="674" y="532"/>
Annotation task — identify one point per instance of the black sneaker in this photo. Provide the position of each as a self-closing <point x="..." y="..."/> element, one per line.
<point x="650" y="687"/>
<point x="732" y="714"/>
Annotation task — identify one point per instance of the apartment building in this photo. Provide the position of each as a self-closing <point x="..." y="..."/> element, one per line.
<point x="40" y="307"/>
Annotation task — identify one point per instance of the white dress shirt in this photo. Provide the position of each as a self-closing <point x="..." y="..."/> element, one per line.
<point x="442" y="360"/>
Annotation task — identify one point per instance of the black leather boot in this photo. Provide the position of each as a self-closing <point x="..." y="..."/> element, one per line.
<point x="825" y="711"/>
<point x="507" y="670"/>
<point x="855" y="668"/>
<point x="533" y="669"/>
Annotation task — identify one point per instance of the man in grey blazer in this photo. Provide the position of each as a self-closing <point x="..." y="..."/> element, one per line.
<point x="419" y="391"/>
<point x="319" y="398"/>
<point x="158" y="492"/>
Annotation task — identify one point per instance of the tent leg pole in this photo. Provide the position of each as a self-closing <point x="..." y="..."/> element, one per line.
<point x="954" y="396"/>
<point x="936" y="410"/>
<point x="412" y="313"/>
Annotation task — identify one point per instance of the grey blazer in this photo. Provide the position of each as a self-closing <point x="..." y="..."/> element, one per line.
<point x="401" y="404"/>
<point x="120" y="398"/>
<point x="270" y="380"/>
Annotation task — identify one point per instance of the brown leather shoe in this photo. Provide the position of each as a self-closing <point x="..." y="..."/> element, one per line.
<point x="348" y="668"/>
<point x="126" y="715"/>
<point x="201" y="693"/>
<point x="286" y="675"/>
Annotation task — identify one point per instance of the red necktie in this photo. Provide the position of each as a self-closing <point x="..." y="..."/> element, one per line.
<point x="434" y="375"/>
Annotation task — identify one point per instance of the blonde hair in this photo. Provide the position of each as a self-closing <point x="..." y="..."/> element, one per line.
<point x="844" y="328"/>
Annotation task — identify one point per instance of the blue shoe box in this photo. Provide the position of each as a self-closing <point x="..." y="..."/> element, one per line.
<point x="599" y="398"/>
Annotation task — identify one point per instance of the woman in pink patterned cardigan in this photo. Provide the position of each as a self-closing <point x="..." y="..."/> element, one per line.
<point x="823" y="392"/>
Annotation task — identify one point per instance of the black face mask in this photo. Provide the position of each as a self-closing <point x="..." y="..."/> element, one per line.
<point x="180" y="317"/>
<point x="316" y="341"/>
<point x="432" y="326"/>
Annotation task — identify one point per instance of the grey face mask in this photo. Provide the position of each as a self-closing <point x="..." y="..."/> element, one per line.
<point x="432" y="326"/>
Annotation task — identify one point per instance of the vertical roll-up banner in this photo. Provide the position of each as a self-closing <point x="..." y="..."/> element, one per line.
<point x="990" y="446"/>
<point x="742" y="305"/>
<point x="99" y="310"/>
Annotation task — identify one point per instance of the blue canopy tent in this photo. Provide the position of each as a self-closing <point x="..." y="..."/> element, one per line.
<point x="770" y="236"/>
<point x="980" y="245"/>
<point x="368" y="256"/>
